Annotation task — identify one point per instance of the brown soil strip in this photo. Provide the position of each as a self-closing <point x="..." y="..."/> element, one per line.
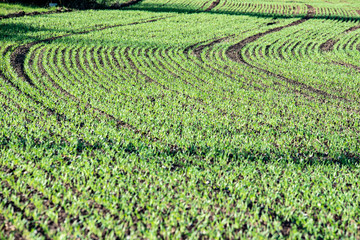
<point x="213" y="5"/>
<point x="329" y="44"/>
<point x="234" y="53"/>
<point x="203" y="5"/>
<point x="32" y="224"/>
<point x="8" y="229"/>
<point x="358" y="12"/>
<point x="17" y="58"/>
<point x="17" y="61"/>
<point x="197" y="52"/>
<point x="22" y="13"/>
<point x="348" y="65"/>
<point x="293" y="52"/>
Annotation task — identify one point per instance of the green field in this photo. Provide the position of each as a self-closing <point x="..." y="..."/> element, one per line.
<point x="11" y="8"/>
<point x="182" y="119"/>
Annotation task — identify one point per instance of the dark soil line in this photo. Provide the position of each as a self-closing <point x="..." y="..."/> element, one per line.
<point x="90" y="65"/>
<point x="202" y="80"/>
<point x="31" y="221"/>
<point x="234" y="53"/>
<point x="23" y="14"/>
<point x="348" y="65"/>
<point x="199" y="100"/>
<point x="329" y="44"/>
<point x="197" y="52"/>
<point x="48" y="204"/>
<point x="213" y="5"/>
<point x="50" y="111"/>
<point x="7" y="229"/>
<point x="203" y="5"/>
<point x="43" y="71"/>
<point x="17" y="58"/>
<point x="17" y="61"/>
<point x="170" y="71"/>
<point x="293" y="52"/>
<point x="22" y="109"/>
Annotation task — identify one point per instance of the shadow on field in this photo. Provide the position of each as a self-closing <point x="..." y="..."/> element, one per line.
<point x="19" y="31"/>
<point x="174" y="8"/>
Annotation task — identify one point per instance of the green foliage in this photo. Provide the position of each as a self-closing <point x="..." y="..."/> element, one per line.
<point x="139" y="123"/>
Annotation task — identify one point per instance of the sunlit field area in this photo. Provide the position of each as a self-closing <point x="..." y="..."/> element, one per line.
<point x="182" y="119"/>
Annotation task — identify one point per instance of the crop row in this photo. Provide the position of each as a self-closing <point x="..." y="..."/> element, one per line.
<point x="150" y="128"/>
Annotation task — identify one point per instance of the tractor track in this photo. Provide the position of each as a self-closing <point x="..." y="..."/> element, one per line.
<point x="213" y="5"/>
<point x="17" y="61"/>
<point x="234" y="53"/>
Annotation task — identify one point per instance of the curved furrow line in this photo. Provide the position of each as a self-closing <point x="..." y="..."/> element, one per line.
<point x="151" y="56"/>
<point x="296" y="50"/>
<point x="202" y="6"/>
<point x="17" y="61"/>
<point x="157" y="66"/>
<point x="143" y="65"/>
<point x="128" y="53"/>
<point x="282" y="49"/>
<point x="147" y="65"/>
<point x="167" y="65"/>
<point x="22" y="201"/>
<point x="58" y="72"/>
<point x="309" y="48"/>
<point x="235" y="54"/>
<point x="220" y="69"/>
<point x="198" y="77"/>
<point x="201" y="64"/>
<point x="225" y="70"/>
<point x="96" y="66"/>
<point x="329" y="44"/>
<point x="275" y="86"/>
<point x="170" y="55"/>
<point x="213" y="5"/>
<point x="18" y="58"/>
<point x="253" y="80"/>
<point x="37" y="71"/>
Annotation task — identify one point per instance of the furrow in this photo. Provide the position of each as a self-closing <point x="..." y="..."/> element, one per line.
<point x="234" y="53"/>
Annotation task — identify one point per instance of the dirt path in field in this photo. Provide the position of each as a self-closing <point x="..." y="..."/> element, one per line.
<point x="234" y="53"/>
<point x="213" y="5"/>
<point x="23" y="14"/>
<point x="17" y="61"/>
<point x="329" y="44"/>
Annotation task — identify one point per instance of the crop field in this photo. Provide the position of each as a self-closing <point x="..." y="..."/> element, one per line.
<point x="182" y="119"/>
